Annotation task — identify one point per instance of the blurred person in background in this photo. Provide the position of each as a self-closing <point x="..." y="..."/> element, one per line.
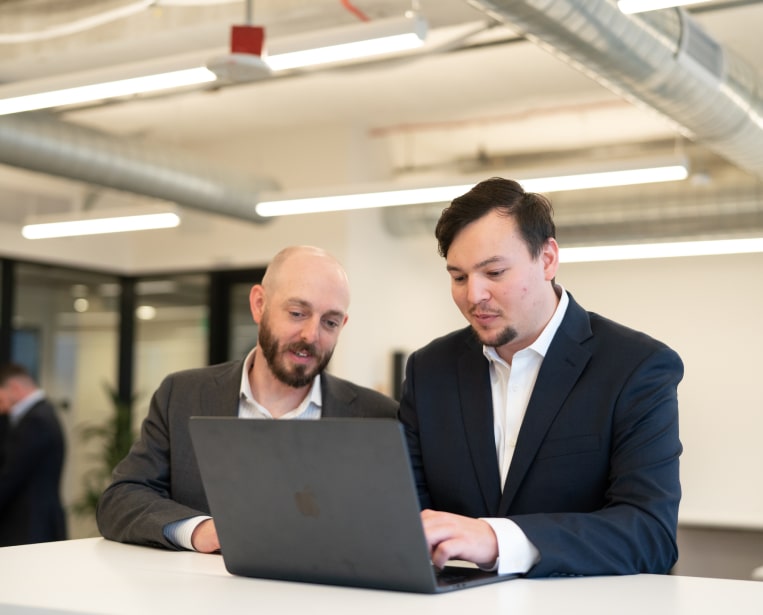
<point x="32" y="453"/>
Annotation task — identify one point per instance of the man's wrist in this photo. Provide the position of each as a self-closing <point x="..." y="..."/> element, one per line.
<point x="516" y="554"/>
<point x="180" y="533"/>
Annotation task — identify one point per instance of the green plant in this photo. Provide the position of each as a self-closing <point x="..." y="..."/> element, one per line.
<point x="115" y="437"/>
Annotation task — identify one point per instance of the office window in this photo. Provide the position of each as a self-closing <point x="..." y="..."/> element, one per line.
<point x="171" y="331"/>
<point x="233" y="332"/>
<point x="243" y="330"/>
<point x="65" y="329"/>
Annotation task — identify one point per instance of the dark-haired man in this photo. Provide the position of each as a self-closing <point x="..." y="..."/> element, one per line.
<point x="543" y="438"/>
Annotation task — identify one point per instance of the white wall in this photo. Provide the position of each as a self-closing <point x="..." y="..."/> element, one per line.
<point x="708" y="310"/>
<point x="400" y="299"/>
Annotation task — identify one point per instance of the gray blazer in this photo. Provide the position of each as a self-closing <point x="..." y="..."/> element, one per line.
<point x="158" y="482"/>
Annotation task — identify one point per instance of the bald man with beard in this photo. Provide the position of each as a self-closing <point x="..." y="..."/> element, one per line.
<point x="156" y="497"/>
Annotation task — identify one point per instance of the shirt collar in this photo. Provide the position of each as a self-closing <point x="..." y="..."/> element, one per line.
<point x="543" y="341"/>
<point x="21" y="407"/>
<point x="314" y="396"/>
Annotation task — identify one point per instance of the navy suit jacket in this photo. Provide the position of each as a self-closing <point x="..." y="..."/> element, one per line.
<point x="30" y="478"/>
<point x="594" y="480"/>
<point x="158" y="482"/>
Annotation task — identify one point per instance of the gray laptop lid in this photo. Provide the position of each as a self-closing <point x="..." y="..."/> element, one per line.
<point x="329" y="501"/>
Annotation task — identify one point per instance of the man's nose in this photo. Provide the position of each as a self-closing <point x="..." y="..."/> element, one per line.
<point x="311" y="330"/>
<point x="476" y="290"/>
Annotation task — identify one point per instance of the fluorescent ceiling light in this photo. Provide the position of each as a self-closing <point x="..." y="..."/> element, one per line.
<point x="111" y="89"/>
<point x="363" y="40"/>
<point x="95" y="223"/>
<point x="361" y="200"/>
<point x="607" y="179"/>
<point x="713" y="247"/>
<point x="279" y="206"/>
<point x="642" y="6"/>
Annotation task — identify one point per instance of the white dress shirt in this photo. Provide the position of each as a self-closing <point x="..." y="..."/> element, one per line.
<point x="511" y="387"/>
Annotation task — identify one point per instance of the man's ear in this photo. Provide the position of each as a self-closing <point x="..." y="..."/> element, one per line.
<point x="257" y="302"/>
<point x="550" y="258"/>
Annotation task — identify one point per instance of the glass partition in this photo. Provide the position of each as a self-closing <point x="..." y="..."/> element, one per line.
<point x="65" y="329"/>
<point x="170" y="333"/>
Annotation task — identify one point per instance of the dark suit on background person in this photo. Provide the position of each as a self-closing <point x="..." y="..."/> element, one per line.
<point x="600" y="436"/>
<point x="137" y="505"/>
<point x="31" y="463"/>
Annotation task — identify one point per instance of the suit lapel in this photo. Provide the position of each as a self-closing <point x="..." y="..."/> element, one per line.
<point x="477" y="415"/>
<point x="226" y="386"/>
<point x="337" y="398"/>
<point x="561" y="368"/>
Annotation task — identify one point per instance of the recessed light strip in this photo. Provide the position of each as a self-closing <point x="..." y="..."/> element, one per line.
<point x="367" y="200"/>
<point x="588" y="254"/>
<point x="95" y="226"/>
<point x="444" y="194"/>
<point x="111" y="89"/>
<point x="344" y="43"/>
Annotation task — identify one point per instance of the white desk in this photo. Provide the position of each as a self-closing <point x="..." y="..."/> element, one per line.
<point x="99" y="576"/>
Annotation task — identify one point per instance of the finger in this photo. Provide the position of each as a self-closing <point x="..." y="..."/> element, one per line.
<point x="446" y="551"/>
<point x="437" y="528"/>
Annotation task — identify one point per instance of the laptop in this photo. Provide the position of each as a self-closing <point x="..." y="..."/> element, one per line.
<point x="329" y="501"/>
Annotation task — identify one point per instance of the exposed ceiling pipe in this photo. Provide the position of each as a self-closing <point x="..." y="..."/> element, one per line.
<point x="42" y="144"/>
<point x="627" y="215"/>
<point x="663" y="59"/>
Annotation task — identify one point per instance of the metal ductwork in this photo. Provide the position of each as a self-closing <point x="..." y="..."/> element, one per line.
<point x="40" y="143"/>
<point x="628" y="215"/>
<point x="661" y="58"/>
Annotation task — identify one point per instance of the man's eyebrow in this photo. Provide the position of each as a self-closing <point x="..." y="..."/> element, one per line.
<point x="298" y="302"/>
<point x="295" y="301"/>
<point x="335" y="313"/>
<point x="484" y="263"/>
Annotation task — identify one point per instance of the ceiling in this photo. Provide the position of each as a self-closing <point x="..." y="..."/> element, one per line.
<point x="478" y="99"/>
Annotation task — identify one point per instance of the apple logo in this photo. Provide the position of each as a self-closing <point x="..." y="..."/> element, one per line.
<point x="306" y="503"/>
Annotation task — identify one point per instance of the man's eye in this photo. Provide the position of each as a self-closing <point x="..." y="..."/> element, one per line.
<point x="294" y="314"/>
<point x="495" y="273"/>
<point x="331" y="324"/>
<point x="458" y="279"/>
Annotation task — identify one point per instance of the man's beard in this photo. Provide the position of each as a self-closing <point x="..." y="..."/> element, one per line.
<point x="297" y="376"/>
<point x="509" y="334"/>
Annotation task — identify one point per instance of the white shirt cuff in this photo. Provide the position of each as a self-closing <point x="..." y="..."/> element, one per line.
<point x="516" y="554"/>
<point x="179" y="532"/>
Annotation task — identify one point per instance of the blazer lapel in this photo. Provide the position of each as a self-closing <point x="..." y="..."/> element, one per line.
<point x="477" y="415"/>
<point x="221" y="395"/>
<point x="561" y="368"/>
<point x="337" y="397"/>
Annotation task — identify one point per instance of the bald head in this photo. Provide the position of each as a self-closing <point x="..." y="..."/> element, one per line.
<point x="308" y="267"/>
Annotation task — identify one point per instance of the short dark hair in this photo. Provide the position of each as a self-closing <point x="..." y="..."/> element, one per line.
<point x="533" y="213"/>
<point x="12" y="370"/>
